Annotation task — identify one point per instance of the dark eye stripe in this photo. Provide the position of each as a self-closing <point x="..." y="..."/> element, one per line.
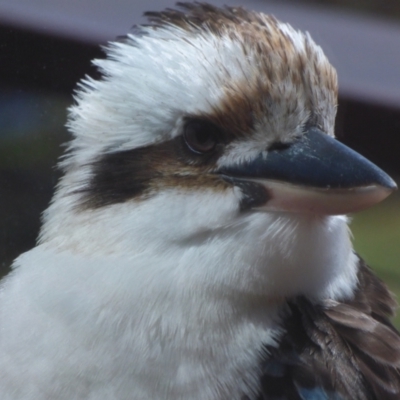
<point x="136" y="174"/>
<point x="118" y="177"/>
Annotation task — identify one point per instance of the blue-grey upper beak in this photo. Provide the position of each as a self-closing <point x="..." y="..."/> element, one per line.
<point x="316" y="173"/>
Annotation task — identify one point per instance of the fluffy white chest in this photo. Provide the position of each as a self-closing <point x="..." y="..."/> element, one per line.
<point x="85" y="326"/>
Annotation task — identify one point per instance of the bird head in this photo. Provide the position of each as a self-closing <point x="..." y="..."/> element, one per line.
<point x="207" y="148"/>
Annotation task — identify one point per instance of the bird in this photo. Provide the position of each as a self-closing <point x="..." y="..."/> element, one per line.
<point x="197" y="245"/>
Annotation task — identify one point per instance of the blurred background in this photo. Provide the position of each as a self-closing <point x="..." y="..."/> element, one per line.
<point x="46" y="47"/>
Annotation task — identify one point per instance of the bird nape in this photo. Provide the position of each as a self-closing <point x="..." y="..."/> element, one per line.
<point x="197" y="245"/>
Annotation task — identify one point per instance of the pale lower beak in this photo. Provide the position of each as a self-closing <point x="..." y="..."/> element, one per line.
<point x="315" y="174"/>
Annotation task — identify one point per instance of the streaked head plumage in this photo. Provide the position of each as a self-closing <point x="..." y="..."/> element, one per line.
<point x="257" y="81"/>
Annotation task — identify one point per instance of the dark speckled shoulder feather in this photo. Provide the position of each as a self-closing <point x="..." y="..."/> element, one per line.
<point x="339" y="351"/>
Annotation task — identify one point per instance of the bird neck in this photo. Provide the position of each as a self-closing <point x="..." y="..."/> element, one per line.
<point x="214" y="248"/>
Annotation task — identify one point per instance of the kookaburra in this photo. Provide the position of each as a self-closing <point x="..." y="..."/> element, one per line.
<point x="197" y="245"/>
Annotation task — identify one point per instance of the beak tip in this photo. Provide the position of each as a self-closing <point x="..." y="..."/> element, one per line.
<point x="393" y="185"/>
<point x="387" y="182"/>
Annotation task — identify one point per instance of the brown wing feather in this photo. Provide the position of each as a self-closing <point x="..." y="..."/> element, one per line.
<point x="340" y="350"/>
<point x="364" y="325"/>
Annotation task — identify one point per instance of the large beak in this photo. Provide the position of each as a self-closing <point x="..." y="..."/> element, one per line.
<point x="315" y="174"/>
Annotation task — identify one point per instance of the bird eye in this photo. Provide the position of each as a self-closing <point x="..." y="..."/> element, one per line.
<point x="200" y="137"/>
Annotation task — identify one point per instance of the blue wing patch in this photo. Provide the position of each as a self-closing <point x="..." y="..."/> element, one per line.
<point x="318" y="393"/>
